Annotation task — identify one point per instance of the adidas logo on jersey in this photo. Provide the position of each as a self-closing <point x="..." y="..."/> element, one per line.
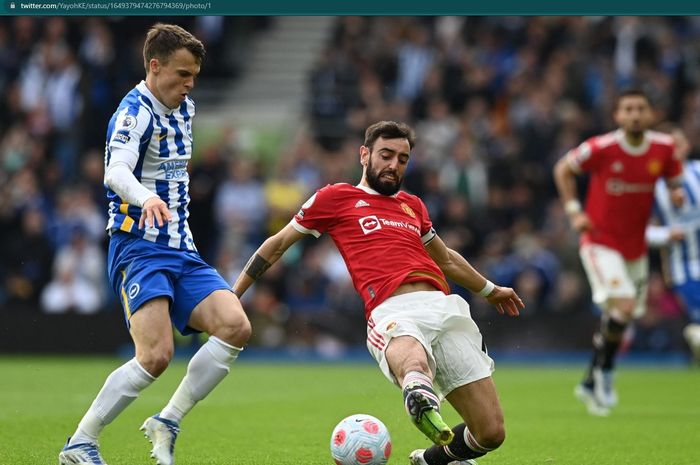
<point x="361" y="203"/>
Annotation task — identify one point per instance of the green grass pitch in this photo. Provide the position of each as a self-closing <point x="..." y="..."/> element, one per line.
<point x="283" y="414"/>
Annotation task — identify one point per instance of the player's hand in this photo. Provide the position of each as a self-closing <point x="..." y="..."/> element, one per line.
<point x="154" y="213"/>
<point x="506" y="301"/>
<point x="676" y="234"/>
<point x="677" y="197"/>
<point x="581" y="222"/>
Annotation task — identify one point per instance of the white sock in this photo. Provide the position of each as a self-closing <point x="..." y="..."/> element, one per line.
<point x="121" y="387"/>
<point x="207" y="368"/>
<point x="416" y="377"/>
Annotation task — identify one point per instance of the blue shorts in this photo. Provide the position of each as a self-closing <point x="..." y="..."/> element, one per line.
<point x="140" y="270"/>
<point x="690" y="293"/>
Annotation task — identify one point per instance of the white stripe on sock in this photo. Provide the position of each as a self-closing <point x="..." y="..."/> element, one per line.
<point x="473" y="444"/>
<point x="416" y="376"/>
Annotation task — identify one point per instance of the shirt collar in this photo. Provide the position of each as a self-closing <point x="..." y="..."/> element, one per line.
<point x="633" y="149"/>
<point x="371" y="191"/>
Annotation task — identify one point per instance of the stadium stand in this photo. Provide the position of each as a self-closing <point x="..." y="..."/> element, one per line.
<point x="495" y="102"/>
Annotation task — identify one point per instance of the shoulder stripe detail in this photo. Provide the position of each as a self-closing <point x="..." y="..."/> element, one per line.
<point x="606" y="140"/>
<point x="660" y="137"/>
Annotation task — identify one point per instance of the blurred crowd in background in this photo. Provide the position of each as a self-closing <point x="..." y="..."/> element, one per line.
<point x="495" y="101"/>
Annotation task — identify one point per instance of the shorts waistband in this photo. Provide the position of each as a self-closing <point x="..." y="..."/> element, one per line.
<point x="412" y="296"/>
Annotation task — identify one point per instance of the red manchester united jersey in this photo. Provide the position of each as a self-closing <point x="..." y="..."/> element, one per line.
<point x="380" y="237"/>
<point x="621" y="187"/>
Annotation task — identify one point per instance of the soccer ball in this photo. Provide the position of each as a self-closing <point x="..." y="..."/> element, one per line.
<point x="360" y="440"/>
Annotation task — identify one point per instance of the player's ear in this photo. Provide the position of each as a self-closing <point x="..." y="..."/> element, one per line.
<point x="154" y="65"/>
<point x="364" y="155"/>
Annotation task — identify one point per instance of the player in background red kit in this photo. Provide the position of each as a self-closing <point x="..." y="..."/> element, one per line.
<point x="422" y="336"/>
<point x="623" y="166"/>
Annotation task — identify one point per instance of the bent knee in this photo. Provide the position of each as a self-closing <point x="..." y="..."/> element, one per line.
<point x="234" y="328"/>
<point x="155" y="360"/>
<point x="492" y="436"/>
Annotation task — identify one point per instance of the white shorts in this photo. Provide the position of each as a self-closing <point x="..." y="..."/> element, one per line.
<point x="610" y="275"/>
<point x="443" y="325"/>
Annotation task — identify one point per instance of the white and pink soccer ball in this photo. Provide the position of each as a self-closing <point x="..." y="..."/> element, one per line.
<point x="360" y="440"/>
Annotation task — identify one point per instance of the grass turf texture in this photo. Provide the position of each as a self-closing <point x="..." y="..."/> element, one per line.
<point x="283" y="414"/>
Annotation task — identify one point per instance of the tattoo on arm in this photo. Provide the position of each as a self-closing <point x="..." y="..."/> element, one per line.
<point x="256" y="266"/>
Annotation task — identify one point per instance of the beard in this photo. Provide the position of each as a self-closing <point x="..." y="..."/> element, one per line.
<point x="383" y="187"/>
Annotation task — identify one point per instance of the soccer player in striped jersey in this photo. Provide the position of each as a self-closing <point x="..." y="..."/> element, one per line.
<point x="422" y="337"/>
<point x="153" y="264"/>
<point x="678" y="230"/>
<point x="624" y="166"/>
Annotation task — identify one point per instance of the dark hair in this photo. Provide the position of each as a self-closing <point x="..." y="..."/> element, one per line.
<point x="632" y="92"/>
<point x="389" y="130"/>
<point x="163" y="40"/>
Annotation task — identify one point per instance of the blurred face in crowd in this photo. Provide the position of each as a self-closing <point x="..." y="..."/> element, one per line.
<point x="172" y="79"/>
<point x="385" y="164"/>
<point x="634" y="114"/>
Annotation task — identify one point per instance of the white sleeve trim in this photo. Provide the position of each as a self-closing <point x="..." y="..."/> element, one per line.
<point x="120" y="178"/>
<point x="658" y="236"/>
<point x="429" y="236"/>
<point x="304" y="230"/>
<point x="573" y="162"/>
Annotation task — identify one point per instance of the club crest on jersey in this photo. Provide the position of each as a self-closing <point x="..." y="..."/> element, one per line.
<point x="654" y="167"/>
<point x="408" y="210"/>
<point x="369" y="224"/>
<point x="188" y="129"/>
<point x="617" y="167"/>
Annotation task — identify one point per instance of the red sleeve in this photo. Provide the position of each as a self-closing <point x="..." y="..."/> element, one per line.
<point x="674" y="167"/>
<point x="317" y="213"/>
<point x="584" y="157"/>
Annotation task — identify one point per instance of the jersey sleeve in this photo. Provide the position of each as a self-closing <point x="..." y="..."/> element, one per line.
<point x="130" y="125"/>
<point x="317" y="213"/>
<point x="674" y="169"/>
<point x="584" y="157"/>
<point x="427" y="232"/>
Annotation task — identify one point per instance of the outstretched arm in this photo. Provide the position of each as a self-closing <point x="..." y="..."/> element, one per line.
<point x="459" y="270"/>
<point x="269" y="252"/>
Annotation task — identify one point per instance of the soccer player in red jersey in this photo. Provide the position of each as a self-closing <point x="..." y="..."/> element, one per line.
<point x="422" y="336"/>
<point x="624" y="166"/>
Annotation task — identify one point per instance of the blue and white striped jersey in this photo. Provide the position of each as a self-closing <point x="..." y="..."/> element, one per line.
<point x="683" y="256"/>
<point x="161" y="138"/>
